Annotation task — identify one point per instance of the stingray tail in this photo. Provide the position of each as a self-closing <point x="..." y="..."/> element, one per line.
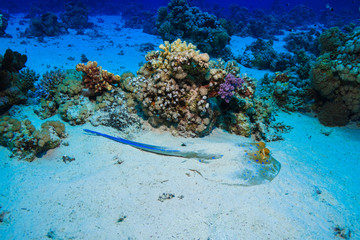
<point x="142" y="146"/>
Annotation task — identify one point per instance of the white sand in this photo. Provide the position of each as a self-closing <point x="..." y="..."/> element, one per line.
<point x="85" y="198"/>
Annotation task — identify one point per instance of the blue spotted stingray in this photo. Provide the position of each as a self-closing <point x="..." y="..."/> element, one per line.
<point x="252" y="166"/>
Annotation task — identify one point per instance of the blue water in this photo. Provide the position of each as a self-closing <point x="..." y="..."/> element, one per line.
<point x="189" y="159"/>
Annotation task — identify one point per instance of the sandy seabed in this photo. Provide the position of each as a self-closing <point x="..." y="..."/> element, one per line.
<point x="114" y="191"/>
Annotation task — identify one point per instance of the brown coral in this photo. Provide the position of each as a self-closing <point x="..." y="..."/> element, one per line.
<point x="95" y="78"/>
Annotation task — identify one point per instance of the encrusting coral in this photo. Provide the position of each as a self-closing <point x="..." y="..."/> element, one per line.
<point x="95" y="78"/>
<point x="25" y="141"/>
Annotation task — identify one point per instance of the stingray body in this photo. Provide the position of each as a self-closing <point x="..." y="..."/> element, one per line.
<point x="251" y="165"/>
<point x="259" y="165"/>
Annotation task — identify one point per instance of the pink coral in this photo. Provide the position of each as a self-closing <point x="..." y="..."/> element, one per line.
<point x="227" y="88"/>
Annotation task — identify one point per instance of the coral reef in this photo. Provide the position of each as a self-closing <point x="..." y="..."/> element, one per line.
<point x="77" y="111"/>
<point x="14" y="86"/>
<point x="75" y="16"/>
<point x="24" y="141"/>
<point x="137" y="16"/>
<point x="258" y="23"/>
<point x="176" y="87"/>
<point x="45" y="25"/>
<point x="288" y="91"/>
<point x="303" y="41"/>
<point x="95" y="78"/>
<point x="65" y="92"/>
<point x="331" y="39"/>
<point x="299" y="15"/>
<point x="255" y="24"/>
<point x="260" y="54"/>
<point x="336" y="73"/>
<point x="27" y="80"/>
<point x="204" y="30"/>
<point x="3" y="23"/>
<point x="56" y="87"/>
<point x="49" y="83"/>
<point x="116" y="109"/>
<point x="180" y="88"/>
<point x="227" y="88"/>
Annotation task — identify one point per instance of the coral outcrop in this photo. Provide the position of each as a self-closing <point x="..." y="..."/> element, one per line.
<point x="336" y="73"/>
<point x="65" y="93"/>
<point x="95" y="78"/>
<point x="179" y="20"/>
<point x="261" y="54"/>
<point x="75" y="16"/>
<point x="46" y="25"/>
<point x="288" y="91"/>
<point x="14" y="85"/>
<point x="180" y="88"/>
<point x="3" y="23"/>
<point x="49" y="83"/>
<point x="24" y="141"/>
<point x="177" y="81"/>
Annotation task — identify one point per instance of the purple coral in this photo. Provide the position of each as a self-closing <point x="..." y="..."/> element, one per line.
<point x="227" y="88"/>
